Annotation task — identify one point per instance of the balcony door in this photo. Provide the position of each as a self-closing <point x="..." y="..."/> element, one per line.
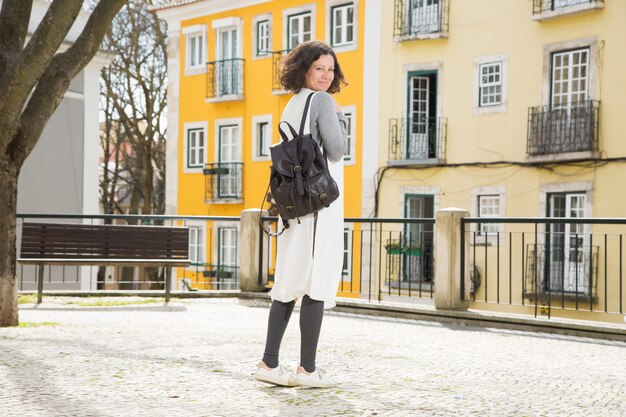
<point x="227" y="72"/>
<point x="421" y="121"/>
<point x="424" y="16"/>
<point x="568" y="247"/>
<point x="571" y="114"/>
<point x="229" y="157"/>
<point x="418" y="265"/>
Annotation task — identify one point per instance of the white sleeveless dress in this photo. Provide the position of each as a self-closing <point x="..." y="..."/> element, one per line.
<point x="300" y="270"/>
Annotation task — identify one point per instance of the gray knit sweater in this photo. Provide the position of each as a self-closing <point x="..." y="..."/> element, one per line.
<point x="332" y="126"/>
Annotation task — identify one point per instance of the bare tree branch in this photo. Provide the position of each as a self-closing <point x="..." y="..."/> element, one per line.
<point x="60" y="72"/>
<point x="14" y="18"/>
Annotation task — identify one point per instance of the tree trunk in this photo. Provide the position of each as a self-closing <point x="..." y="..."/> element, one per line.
<point x="8" y="208"/>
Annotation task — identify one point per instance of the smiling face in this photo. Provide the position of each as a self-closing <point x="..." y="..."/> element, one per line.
<point x="320" y="74"/>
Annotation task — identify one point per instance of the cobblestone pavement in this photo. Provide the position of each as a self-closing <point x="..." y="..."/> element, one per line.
<point x="195" y="358"/>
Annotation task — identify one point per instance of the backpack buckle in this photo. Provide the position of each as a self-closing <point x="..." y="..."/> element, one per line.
<point x="297" y="168"/>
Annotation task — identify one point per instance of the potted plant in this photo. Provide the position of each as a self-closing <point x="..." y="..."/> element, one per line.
<point x="396" y="247"/>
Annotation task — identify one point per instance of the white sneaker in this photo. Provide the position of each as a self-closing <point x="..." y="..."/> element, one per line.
<point x="316" y="379"/>
<point x="280" y="376"/>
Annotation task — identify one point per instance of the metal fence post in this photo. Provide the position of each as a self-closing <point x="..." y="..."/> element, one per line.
<point x="448" y="263"/>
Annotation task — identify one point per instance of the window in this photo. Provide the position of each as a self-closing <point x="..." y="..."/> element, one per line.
<point x="261" y="137"/>
<point x="228" y="183"/>
<point x="488" y="206"/>
<point x="299" y="29"/>
<point x="227" y="255"/>
<point x="195" y="49"/>
<point x="195" y="148"/>
<point x="262" y="37"/>
<point x="262" y="148"/>
<point x="349" y="153"/>
<point x="570" y="72"/>
<point x="197" y="251"/>
<point x="490" y="84"/>
<point x="342" y="25"/>
<point x="346" y="270"/>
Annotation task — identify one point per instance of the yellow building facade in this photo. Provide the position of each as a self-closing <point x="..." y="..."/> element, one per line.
<point x="225" y="102"/>
<point x="510" y="109"/>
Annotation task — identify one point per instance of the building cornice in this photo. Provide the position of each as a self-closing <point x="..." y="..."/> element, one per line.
<point x="174" y="15"/>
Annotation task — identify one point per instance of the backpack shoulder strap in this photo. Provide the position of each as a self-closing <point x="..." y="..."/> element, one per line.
<point x="306" y="113"/>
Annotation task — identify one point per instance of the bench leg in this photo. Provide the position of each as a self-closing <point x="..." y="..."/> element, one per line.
<point x="40" y="285"/>
<point x="168" y="273"/>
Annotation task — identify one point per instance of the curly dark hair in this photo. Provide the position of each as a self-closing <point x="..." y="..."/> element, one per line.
<point x="298" y="62"/>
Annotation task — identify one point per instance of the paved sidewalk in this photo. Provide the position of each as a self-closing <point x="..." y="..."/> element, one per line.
<point x="195" y="358"/>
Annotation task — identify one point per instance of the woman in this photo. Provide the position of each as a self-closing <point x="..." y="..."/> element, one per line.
<point x="309" y="257"/>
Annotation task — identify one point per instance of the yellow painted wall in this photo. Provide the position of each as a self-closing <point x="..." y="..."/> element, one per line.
<point x="258" y="100"/>
<point x="491" y="27"/>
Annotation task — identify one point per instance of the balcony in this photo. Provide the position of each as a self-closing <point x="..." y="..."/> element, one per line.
<point x="224" y="80"/>
<point x="547" y="9"/>
<point x="278" y="58"/>
<point x="223" y="182"/>
<point x="563" y="130"/>
<point x="420" y="19"/>
<point x="417" y="141"/>
<point x="569" y="272"/>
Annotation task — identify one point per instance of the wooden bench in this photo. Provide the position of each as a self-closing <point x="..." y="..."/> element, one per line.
<point x="102" y="245"/>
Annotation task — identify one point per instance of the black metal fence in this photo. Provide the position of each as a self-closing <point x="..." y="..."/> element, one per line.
<point x="383" y="258"/>
<point x="547" y="263"/>
<point x="213" y="251"/>
<point x="540" y="6"/>
<point x="224" y="78"/>
<point x="417" y="139"/>
<point x="223" y="181"/>
<point x="570" y="129"/>
<point x="420" y="17"/>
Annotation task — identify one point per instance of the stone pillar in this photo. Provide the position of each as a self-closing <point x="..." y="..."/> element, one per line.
<point x="448" y="260"/>
<point x="249" y="245"/>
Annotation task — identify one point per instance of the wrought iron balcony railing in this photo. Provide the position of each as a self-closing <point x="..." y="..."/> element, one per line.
<point x="541" y="6"/>
<point x="224" y="78"/>
<point x="420" y="17"/>
<point x="278" y="57"/>
<point x="559" y="269"/>
<point x="568" y="129"/>
<point x="223" y="181"/>
<point x="417" y="139"/>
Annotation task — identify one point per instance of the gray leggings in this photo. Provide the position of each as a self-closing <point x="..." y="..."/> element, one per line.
<point x="311" y="314"/>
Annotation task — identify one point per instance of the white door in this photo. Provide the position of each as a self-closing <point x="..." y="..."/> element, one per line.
<point x="229" y="181"/>
<point x="425" y="16"/>
<point x="227" y="74"/>
<point x="569" y="252"/>
<point x="417" y="143"/>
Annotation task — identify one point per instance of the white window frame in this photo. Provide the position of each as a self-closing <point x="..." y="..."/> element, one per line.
<point x="300" y="10"/>
<point x="550" y="49"/>
<point x="190" y="126"/>
<point x="221" y="247"/>
<point x="331" y="6"/>
<point x="495" y="72"/>
<point x="346" y="274"/>
<point x="197" y="252"/>
<point x="256" y="121"/>
<point x="195" y="32"/>
<point x="219" y="123"/>
<point x="255" y="35"/>
<point x="217" y="227"/>
<point x="503" y="60"/>
<point x="350" y="157"/>
<point x="492" y="238"/>
<point x="570" y="79"/>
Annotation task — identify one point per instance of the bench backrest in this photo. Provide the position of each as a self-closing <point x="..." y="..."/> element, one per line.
<point x="82" y="241"/>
